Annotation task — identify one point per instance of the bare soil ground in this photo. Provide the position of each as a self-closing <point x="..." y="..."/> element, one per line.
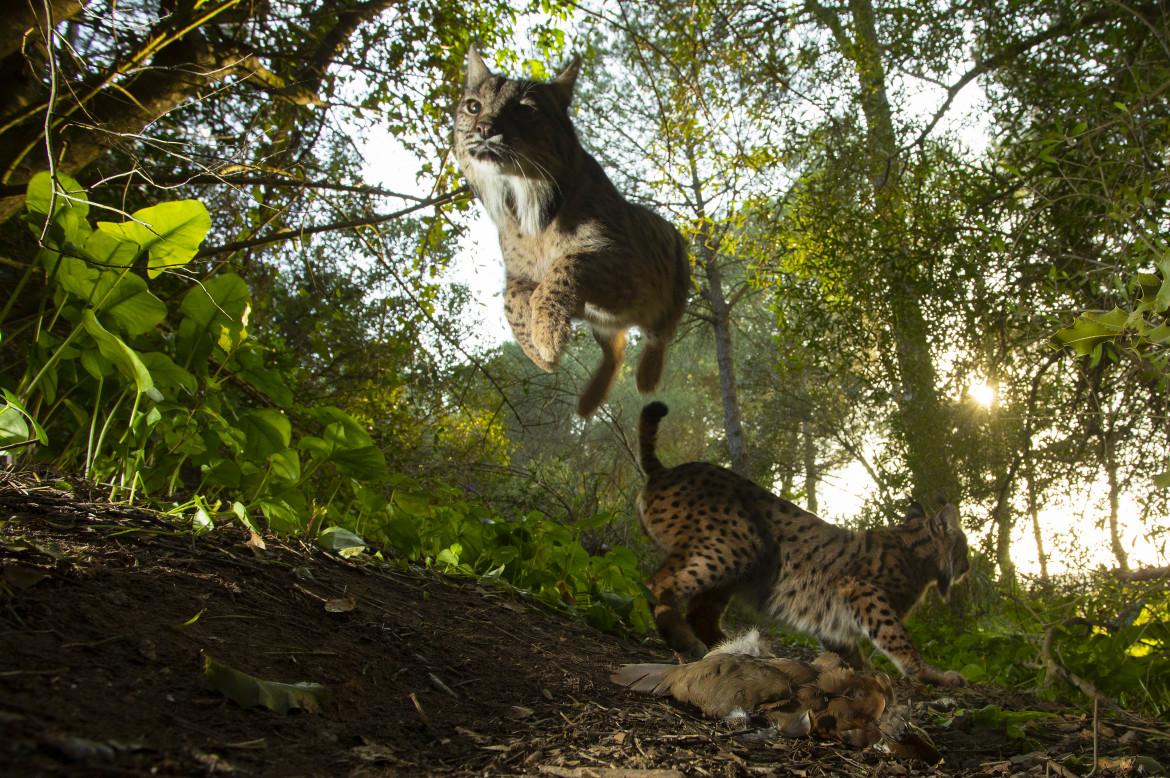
<point x="102" y="672"/>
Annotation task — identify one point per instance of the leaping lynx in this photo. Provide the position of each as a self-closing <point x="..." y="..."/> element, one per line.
<point x="724" y="535"/>
<point x="573" y="247"/>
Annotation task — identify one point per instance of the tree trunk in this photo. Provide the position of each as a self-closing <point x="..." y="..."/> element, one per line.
<point x="1109" y="460"/>
<point x="1003" y="545"/>
<point x="177" y="62"/>
<point x="919" y="412"/>
<point x="809" y="451"/>
<point x="1038" y="536"/>
<point x="721" y="324"/>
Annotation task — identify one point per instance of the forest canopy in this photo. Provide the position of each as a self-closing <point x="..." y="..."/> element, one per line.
<point x="930" y="260"/>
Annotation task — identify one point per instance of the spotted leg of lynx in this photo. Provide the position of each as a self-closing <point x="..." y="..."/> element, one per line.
<point x="613" y="347"/>
<point x="553" y="304"/>
<point x="682" y="579"/>
<point x="878" y="621"/>
<point x="518" y="310"/>
<point x="704" y="612"/>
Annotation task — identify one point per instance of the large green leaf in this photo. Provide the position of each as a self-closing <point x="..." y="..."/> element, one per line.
<point x="267" y="432"/>
<point x="13" y="427"/>
<point x="132" y="307"/>
<point x="342" y="541"/>
<point x="224" y="298"/>
<point x="286" y="465"/>
<point x="367" y="463"/>
<point x="169" y="232"/>
<point x="69" y="194"/>
<point x="124" y="358"/>
<point x="271" y="382"/>
<point x="166" y="373"/>
<point x="96" y="364"/>
<point x="1091" y="328"/>
<point x="352" y="434"/>
<point x="1161" y="300"/>
<point x="104" y="249"/>
<point x="287" y="512"/>
<point x="248" y="691"/>
<point x="78" y="278"/>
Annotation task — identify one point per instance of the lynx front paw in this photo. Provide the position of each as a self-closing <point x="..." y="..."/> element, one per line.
<point x="550" y="333"/>
<point x="950" y="678"/>
<point x="953" y="678"/>
<point x="535" y="355"/>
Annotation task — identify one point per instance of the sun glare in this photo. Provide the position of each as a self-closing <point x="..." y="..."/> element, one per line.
<point x="982" y="393"/>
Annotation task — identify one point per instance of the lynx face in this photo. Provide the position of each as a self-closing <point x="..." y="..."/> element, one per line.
<point x="725" y="536"/>
<point x="510" y="124"/>
<point x="514" y="140"/>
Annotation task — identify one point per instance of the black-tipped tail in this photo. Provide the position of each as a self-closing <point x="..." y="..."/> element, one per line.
<point x="652" y="413"/>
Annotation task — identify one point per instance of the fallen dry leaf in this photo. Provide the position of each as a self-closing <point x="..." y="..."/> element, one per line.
<point x="341" y="604"/>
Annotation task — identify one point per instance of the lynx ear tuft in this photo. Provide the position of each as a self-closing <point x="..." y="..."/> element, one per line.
<point x="477" y="71"/>
<point x="565" y="81"/>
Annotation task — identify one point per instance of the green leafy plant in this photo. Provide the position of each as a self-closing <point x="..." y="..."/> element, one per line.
<point x="166" y="396"/>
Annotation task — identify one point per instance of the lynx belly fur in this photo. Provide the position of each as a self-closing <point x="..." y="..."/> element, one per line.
<point x="573" y="247"/>
<point x="724" y="535"/>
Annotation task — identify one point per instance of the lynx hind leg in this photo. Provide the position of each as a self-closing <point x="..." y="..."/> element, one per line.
<point x="650" y="364"/>
<point x="613" y="348"/>
<point x="704" y="613"/>
<point x="673" y="585"/>
<point x="518" y="311"/>
<point x="849" y="651"/>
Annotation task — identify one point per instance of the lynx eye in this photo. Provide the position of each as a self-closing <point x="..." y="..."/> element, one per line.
<point x="529" y="102"/>
<point x="472" y="106"/>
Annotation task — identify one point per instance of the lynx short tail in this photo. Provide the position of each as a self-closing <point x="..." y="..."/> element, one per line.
<point x="652" y="413"/>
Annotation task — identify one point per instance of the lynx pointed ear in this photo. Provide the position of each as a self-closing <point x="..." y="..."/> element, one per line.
<point x="946" y="521"/>
<point x="566" y="80"/>
<point x="477" y="71"/>
<point x="914" y="511"/>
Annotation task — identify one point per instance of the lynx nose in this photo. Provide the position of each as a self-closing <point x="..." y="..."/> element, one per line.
<point x="483" y="129"/>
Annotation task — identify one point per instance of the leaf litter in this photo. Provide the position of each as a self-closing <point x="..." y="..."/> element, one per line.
<point x="102" y="671"/>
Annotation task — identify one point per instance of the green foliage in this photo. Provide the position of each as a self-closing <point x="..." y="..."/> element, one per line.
<point x="1115" y="636"/>
<point x="165" y="394"/>
<point x="530" y="552"/>
<point x="1140" y="332"/>
<point x="1012" y="723"/>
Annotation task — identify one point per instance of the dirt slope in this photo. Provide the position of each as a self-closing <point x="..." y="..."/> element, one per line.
<point x="102" y="672"/>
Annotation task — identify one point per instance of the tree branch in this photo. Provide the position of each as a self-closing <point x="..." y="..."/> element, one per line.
<point x="1008" y="53"/>
<point x="289" y="233"/>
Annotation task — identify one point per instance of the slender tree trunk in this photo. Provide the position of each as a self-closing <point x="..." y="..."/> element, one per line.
<point x="1109" y="460"/>
<point x="1003" y="544"/>
<point x="809" y="451"/>
<point x="919" y="412"/>
<point x="791" y="446"/>
<point x="1037" y="534"/>
<point x="721" y="324"/>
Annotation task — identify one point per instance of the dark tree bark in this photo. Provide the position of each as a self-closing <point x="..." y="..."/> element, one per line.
<point x="178" y="61"/>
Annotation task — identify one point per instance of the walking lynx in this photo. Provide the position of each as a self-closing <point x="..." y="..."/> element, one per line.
<point x="573" y="247"/>
<point x="723" y="535"/>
